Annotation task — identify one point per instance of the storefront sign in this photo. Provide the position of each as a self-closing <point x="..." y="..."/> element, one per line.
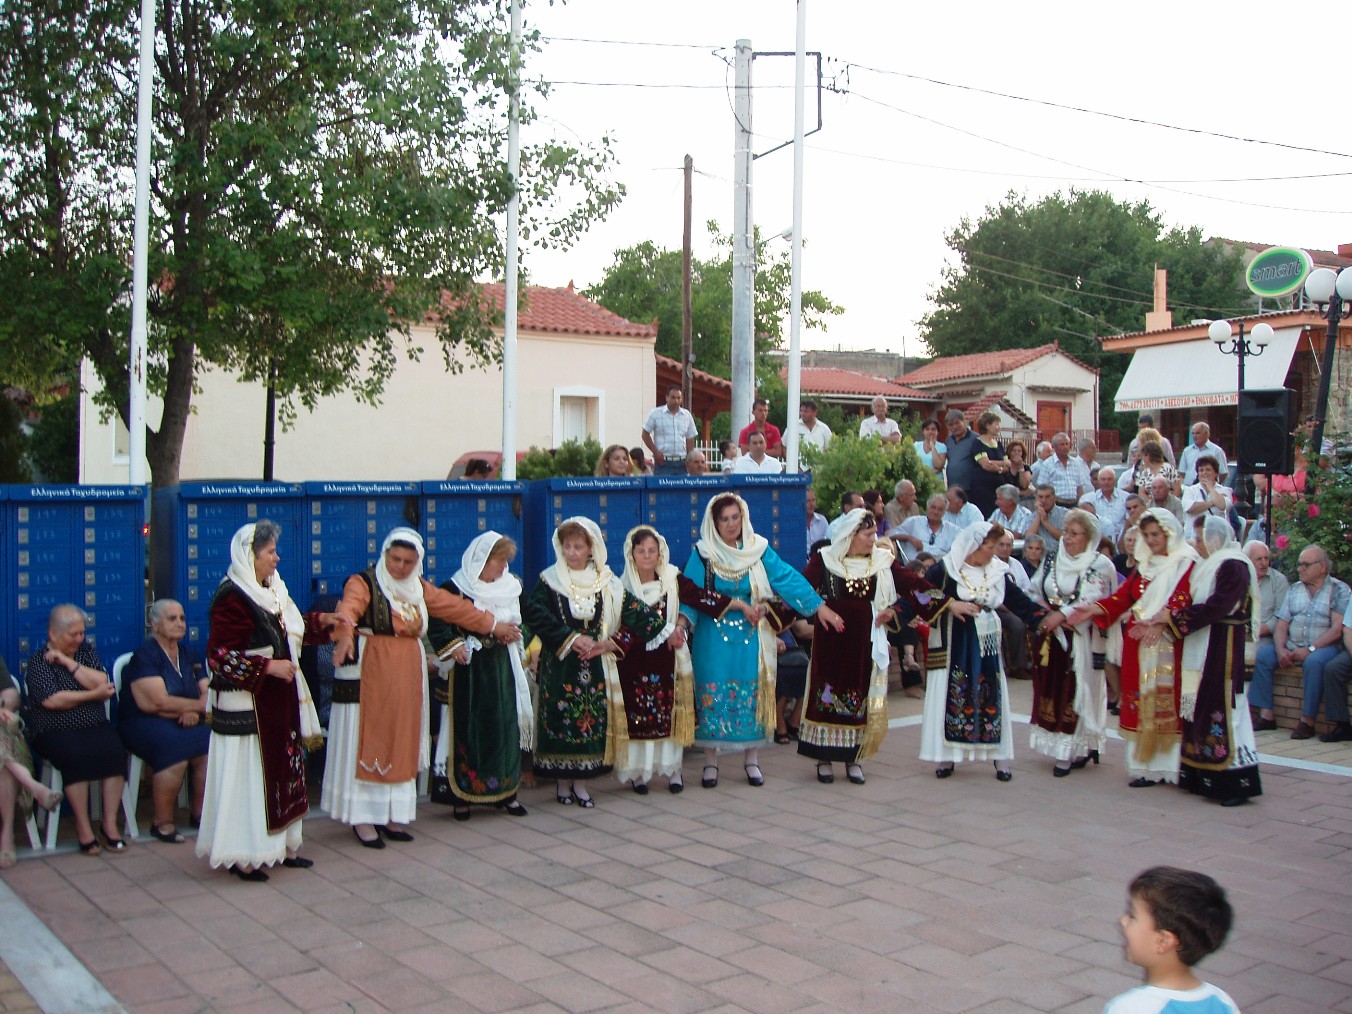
<point x="1277" y="271"/>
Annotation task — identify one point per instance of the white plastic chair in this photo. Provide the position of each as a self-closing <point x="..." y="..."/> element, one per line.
<point x="53" y="780"/>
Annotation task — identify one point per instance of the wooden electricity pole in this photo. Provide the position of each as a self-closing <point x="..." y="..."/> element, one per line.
<point x="687" y="351"/>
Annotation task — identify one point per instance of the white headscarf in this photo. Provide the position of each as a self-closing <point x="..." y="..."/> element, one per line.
<point x="1163" y="571"/>
<point x="274" y="599"/>
<point x="878" y="564"/>
<point x="502" y="598"/>
<point x="1221" y="545"/>
<point x="1069" y="568"/>
<point x="583" y="588"/>
<point x="982" y="585"/>
<point x="406" y="596"/>
<point x="664" y="590"/>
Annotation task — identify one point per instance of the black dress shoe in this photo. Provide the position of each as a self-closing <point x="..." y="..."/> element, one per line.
<point x="824" y="774"/>
<point x="710" y="781"/>
<point x="460" y="813"/>
<point x="757" y="779"/>
<point x="388" y="832"/>
<point x="944" y="772"/>
<point x="254" y="876"/>
<point x="1061" y="772"/>
<point x="1141" y="783"/>
<point x="854" y="773"/>
<point x="1004" y="776"/>
<point x="1264" y="724"/>
<point x="512" y="807"/>
<point x="375" y="843"/>
<point x="640" y="788"/>
<point x="1236" y="801"/>
<point x="297" y="863"/>
<point x="1303" y="730"/>
<point x="1341" y="732"/>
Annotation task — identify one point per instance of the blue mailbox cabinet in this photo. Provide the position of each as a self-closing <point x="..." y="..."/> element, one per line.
<point x="191" y="526"/>
<point x="778" y="505"/>
<point x="674" y="505"/>
<point x="346" y="523"/>
<point x="78" y="544"/>
<point x="616" y="505"/>
<point x="454" y="513"/>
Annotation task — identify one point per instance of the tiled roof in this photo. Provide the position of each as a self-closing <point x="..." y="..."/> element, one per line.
<point x="1321" y="258"/>
<point x="701" y="375"/>
<point x="981" y="364"/>
<point x="564" y="311"/>
<point x="990" y="400"/>
<point x="827" y="380"/>
<point x="1277" y="318"/>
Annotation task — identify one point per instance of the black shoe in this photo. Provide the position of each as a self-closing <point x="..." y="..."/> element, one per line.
<point x="944" y="772"/>
<point x="1339" y="733"/>
<point x="254" y="876"/>
<point x="586" y="802"/>
<point x="675" y="788"/>
<point x="824" y="774"/>
<point x="1003" y="776"/>
<point x="854" y="773"/>
<point x="1092" y="755"/>
<point x="1264" y="724"/>
<point x="757" y="779"/>
<point x="512" y="807"/>
<point x="171" y="836"/>
<point x="385" y="831"/>
<point x="297" y="863"/>
<point x="1062" y="772"/>
<point x="375" y="843"/>
<point x="1303" y="730"/>
<point x="783" y="738"/>
<point x="1236" y="801"/>
<point x="1114" y="707"/>
<point x="640" y="788"/>
<point x="113" y="844"/>
<point x="710" y="781"/>
<point x="460" y="813"/>
<point x="793" y="731"/>
<point x="1141" y="783"/>
<point x="567" y="800"/>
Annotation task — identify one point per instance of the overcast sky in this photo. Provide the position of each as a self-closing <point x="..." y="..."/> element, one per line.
<point x="901" y="161"/>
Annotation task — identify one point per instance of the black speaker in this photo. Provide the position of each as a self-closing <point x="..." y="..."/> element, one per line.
<point x="1266" y="422"/>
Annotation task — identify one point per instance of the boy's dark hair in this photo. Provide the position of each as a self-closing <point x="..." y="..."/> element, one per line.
<point x="1188" y="904"/>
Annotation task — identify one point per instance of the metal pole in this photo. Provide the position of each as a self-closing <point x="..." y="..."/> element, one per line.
<point x="687" y="340"/>
<point x="270" y="422"/>
<point x="508" y="470"/>
<point x="1335" y="314"/>
<point x="136" y="366"/>
<point x="791" y="424"/>
<point x="743" y="248"/>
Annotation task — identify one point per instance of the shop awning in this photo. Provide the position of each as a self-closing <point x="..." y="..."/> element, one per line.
<point x="1196" y="374"/>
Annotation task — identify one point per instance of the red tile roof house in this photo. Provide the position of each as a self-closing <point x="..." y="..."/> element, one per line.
<point x="1037" y="392"/>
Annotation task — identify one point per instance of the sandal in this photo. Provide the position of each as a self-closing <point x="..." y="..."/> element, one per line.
<point x="114" y="844"/>
<point x="783" y="738"/>
<point x="53" y="800"/>
<point x="91" y="848"/>
<point x="793" y="731"/>
<point x="171" y="836"/>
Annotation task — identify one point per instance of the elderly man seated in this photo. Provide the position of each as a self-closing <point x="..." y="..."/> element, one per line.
<point x="1162" y="495"/>
<point x="902" y="505"/>
<point x="930" y="532"/>
<point x="1109" y="503"/>
<point x="961" y="511"/>
<point x="696" y="463"/>
<point x="1009" y="514"/>
<point x="1272" y="588"/>
<point x="1048" y="516"/>
<point x="1309" y="633"/>
<point x="160" y="715"/>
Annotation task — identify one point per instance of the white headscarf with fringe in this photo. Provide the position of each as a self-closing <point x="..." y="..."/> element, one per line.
<point x="664" y="594"/>
<point x="274" y="599"/>
<point x="1162" y="570"/>
<point x="1221" y="545"/>
<point x="405" y="594"/>
<point x="984" y="585"/>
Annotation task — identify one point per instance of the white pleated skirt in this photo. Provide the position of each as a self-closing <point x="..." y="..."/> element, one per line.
<point x="646" y="758"/>
<point x="349" y="800"/>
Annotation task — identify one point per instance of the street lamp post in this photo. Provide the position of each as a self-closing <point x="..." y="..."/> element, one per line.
<point x="1239" y="346"/>
<point x="1328" y="291"/>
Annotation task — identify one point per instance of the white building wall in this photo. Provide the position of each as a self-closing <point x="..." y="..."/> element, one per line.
<point x="1047" y="379"/>
<point x="426" y="419"/>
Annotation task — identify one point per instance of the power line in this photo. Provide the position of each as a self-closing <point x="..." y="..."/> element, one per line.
<point x="630" y="42"/>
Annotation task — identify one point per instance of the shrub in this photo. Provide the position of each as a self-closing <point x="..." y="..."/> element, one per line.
<point x="572" y="457"/>
<point x="862" y="463"/>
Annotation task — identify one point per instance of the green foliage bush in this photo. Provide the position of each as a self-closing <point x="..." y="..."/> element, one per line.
<point x="13" y="444"/>
<point x="572" y="457"/>
<point x="863" y="463"/>
<point x="1323" y="517"/>
<point x="54" y="448"/>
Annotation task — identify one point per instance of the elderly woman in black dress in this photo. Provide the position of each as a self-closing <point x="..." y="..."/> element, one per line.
<point x="68" y="691"/>
<point x="160" y="715"/>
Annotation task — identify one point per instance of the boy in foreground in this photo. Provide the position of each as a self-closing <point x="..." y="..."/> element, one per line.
<point x="1174" y="919"/>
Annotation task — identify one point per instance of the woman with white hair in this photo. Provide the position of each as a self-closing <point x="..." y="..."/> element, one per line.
<point x="966" y="714"/>
<point x="1151" y="657"/>
<point x="1219" y="757"/>
<point x="1070" y="708"/>
<point x="378" y="739"/>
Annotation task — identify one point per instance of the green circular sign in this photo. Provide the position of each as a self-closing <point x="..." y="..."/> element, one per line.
<point x="1277" y="271"/>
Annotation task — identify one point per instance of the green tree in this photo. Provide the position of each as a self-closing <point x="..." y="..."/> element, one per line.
<point x="54" y="447"/>
<point x="13" y="444"/>
<point x="863" y="463"/>
<point x="318" y="172"/>
<point x="1070" y="268"/>
<point x="643" y="283"/>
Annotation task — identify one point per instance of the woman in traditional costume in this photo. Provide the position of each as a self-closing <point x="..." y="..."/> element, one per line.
<point x="1219" y="757"/>
<point x="845" y="711"/>
<point x="656" y="678"/>
<point x="966" y="714"/>
<point x="1070" y="704"/>
<point x="262" y="716"/>
<point x="584" y="618"/>
<point x="1151" y="658"/>
<point x="486" y="717"/>
<point x="734" y="657"/>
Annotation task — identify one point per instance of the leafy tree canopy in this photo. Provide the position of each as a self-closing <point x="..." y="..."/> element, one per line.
<point x="319" y="170"/>
<point x="1069" y="268"/>
<point x="644" y="284"/>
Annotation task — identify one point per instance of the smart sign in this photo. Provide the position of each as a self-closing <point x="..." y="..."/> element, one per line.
<point x="1277" y="271"/>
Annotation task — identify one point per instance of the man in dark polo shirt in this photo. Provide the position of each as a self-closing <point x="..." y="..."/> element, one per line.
<point x="963" y="447"/>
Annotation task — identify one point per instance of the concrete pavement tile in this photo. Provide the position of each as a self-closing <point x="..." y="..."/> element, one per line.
<point x="669" y="993"/>
<point x="1049" y="964"/>
<point x="958" y="937"/>
<point x="711" y="939"/>
<point x="628" y="939"/>
<point x="1273" y="979"/>
<point x="397" y="988"/>
<point x="753" y="993"/>
<point x="704" y="855"/>
<point x="765" y="871"/>
<point x="548" y="938"/>
<point x="818" y="893"/>
<point x="651" y="915"/>
<point x="573" y="914"/>
<point x="307" y="932"/>
<point x="577" y="992"/>
<point x="1101" y="982"/>
<point x="104" y="954"/>
<point x="599" y="893"/>
<point x="273" y="959"/>
<point x="848" y="993"/>
<point x="690" y="965"/>
<point x="439" y="963"/>
<point x="728" y="913"/>
<point x="177" y="1005"/>
<point x="140" y="984"/>
<point x="1280" y="1005"/>
<point x="353" y="959"/>
<point x="356" y="1007"/>
<point x="468" y="936"/>
<point x="225" y="987"/>
<point x="776" y="965"/>
<point x="420" y="911"/>
<point x="316" y="988"/>
<point x="664" y="892"/>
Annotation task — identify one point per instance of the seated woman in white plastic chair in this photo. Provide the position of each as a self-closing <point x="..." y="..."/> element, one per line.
<point x="19" y="790"/>
<point x="160" y="715"/>
<point x="68" y="691"/>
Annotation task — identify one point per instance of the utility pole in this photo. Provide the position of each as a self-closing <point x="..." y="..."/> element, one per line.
<point x="687" y="350"/>
<point x="791" y="424"/>
<point x="743" y="247"/>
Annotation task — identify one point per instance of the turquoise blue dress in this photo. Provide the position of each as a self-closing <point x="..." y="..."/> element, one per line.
<point x="725" y="651"/>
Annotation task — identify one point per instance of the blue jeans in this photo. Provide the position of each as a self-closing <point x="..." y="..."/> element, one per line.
<point x="671" y="466"/>
<point x="1312" y="680"/>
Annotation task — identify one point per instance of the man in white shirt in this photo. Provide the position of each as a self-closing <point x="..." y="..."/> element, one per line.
<point x="960" y="512"/>
<point x="1202" y="446"/>
<point x="1207" y="495"/>
<point x="930" y="532"/>
<point x="1065" y="474"/>
<point x="1009" y="514"/>
<point x="816" y="523"/>
<point x="755" y="459"/>
<point x="1088" y="453"/>
<point x="1147" y="422"/>
<point x="878" y="425"/>
<point x="811" y="431"/>
<point x="669" y="432"/>
<point x="1109" y="503"/>
<point x="1040" y="456"/>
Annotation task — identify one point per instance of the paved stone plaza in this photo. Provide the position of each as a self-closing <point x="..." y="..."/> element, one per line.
<point x="906" y="894"/>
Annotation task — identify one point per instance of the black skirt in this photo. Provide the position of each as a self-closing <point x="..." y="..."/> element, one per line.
<point x="83" y="755"/>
